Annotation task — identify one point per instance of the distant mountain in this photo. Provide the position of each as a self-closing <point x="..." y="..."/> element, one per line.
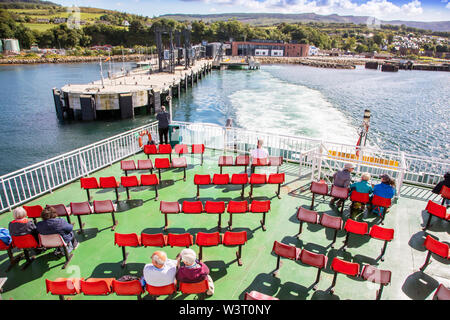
<point x="260" y="19"/>
<point x="30" y="1"/>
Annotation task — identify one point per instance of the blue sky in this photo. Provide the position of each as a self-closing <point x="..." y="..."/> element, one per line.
<point x="417" y="10"/>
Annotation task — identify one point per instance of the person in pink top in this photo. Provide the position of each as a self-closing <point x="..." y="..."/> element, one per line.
<point x="192" y="270"/>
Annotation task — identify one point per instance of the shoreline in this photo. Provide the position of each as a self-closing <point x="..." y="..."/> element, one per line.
<point x="68" y="59"/>
<point x="318" y="62"/>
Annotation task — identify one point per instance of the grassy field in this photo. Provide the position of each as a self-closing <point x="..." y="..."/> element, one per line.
<point x="40" y="26"/>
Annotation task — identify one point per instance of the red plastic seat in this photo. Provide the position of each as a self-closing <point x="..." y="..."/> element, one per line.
<point x="180" y="240"/>
<point x="88" y="184"/>
<point x="161" y="291"/>
<point x="380" y="233"/>
<point x="339" y="193"/>
<point x="180" y="163"/>
<point x="256" y="178"/>
<point x="110" y="183"/>
<point x="221" y="179"/>
<point x="61" y="210"/>
<point x="8" y="248"/>
<point x="198" y="149"/>
<point x="79" y="209"/>
<point x="445" y="194"/>
<point x="352" y="226"/>
<point x="161" y="163"/>
<point x="305" y="215"/>
<point x="373" y="274"/>
<point x="153" y="240"/>
<point x="63" y="287"/>
<point x="255" y="295"/>
<point x="235" y="239"/>
<point x="106" y="206"/>
<point x="201" y="180"/>
<point x="341" y="266"/>
<point x="256" y="162"/>
<point x="276" y="178"/>
<point x="181" y="149"/>
<point x="436" y="210"/>
<point x="127" y="165"/>
<point x="275" y="161"/>
<point x="96" y="286"/>
<point x="25" y="243"/>
<point x="331" y="222"/>
<point x="150" y="180"/>
<point x="261" y="206"/>
<point x="316" y="260"/>
<point x="204" y="239"/>
<point x="240" y="178"/>
<point x="192" y="207"/>
<point x="442" y="293"/>
<point x="225" y="161"/>
<point x="164" y="149"/>
<point x="33" y="212"/>
<point x="215" y="207"/>
<point x="320" y="188"/>
<point x="127" y="288"/>
<point x="169" y="207"/>
<point x="129" y="182"/>
<point x="146" y="164"/>
<point x="434" y="246"/>
<point x="242" y="160"/>
<point x="381" y="202"/>
<point x="356" y="196"/>
<point x="150" y="149"/>
<point x="194" y="288"/>
<point x="127" y="239"/>
<point x="285" y="251"/>
<point x="236" y="207"/>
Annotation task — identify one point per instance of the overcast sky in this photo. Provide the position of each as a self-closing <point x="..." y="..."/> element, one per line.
<point x="411" y="10"/>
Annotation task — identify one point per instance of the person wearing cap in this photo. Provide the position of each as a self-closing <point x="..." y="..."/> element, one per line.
<point x="362" y="186"/>
<point x="342" y="179"/>
<point x="193" y="270"/>
<point x="385" y="189"/>
<point x="161" y="272"/>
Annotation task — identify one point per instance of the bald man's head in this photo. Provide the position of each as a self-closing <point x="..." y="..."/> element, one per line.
<point x="159" y="259"/>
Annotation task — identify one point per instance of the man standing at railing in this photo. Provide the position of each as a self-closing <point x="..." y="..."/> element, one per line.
<point x="163" y="125"/>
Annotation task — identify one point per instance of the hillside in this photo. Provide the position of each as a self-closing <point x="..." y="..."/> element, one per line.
<point x="267" y="19"/>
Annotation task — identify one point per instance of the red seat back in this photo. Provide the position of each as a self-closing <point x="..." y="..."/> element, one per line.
<point x="207" y="239"/>
<point x="24" y="242"/>
<point x="442" y="293"/>
<point x="285" y="251"/>
<point x="234" y="238"/>
<point x="130" y="181"/>
<point x="348" y="268"/>
<point x="108" y="182"/>
<point x="80" y="208"/>
<point x="180" y="240"/>
<point x="226" y="161"/>
<point x="221" y="179"/>
<point x="153" y="240"/>
<point x="319" y="188"/>
<point x="381" y="233"/>
<point x="103" y="206"/>
<point x="331" y="221"/>
<point x="150" y="149"/>
<point x="237" y="206"/>
<point x="33" y="211"/>
<point x="434" y="209"/>
<point x="161" y="291"/>
<point x="63" y="286"/>
<point x="145" y="164"/>
<point x="202" y="179"/>
<point x="164" y="149"/>
<point x="276" y="178"/>
<point x="162" y="163"/>
<point x="239" y="178"/>
<point x="307" y="215"/>
<point x="257" y="178"/>
<point x="61" y="209"/>
<point x="194" y="288"/>
<point x="275" y="161"/>
<point x="380" y="201"/>
<point x="373" y="274"/>
<point x="353" y="226"/>
<point x="255" y="295"/>
<point x="127" y="288"/>
<point x="313" y="259"/>
<point x="192" y="207"/>
<point x="149" y="179"/>
<point x="356" y="196"/>
<point x="127" y="165"/>
<point x="260" y="206"/>
<point x="198" y="148"/>
<point x="89" y="183"/>
<point x="3" y="246"/>
<point x="127" y="239"/>
<point x="339" y="192"/>
<point x="445" y="192"/>
<point x="215" y="206"/>
<point x="436" y="247"/>
<point x="260" y="161"/>
<point x="242" y="160"/>
<point x="169" y="207"/>
<point x="96" y="287"/>
<point x="179" y="163"/>
<point x="181" y="149"/>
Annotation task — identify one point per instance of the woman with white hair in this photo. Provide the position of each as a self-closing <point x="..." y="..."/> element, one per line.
<point x="193" y="270"/>
<point x="21" y="226"/>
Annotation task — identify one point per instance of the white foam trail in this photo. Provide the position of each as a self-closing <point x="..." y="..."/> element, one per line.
<point x="277" y="106"/>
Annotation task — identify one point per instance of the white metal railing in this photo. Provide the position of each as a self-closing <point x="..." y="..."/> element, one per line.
<point x="322" y="157"/>
<point x="23" y="185"/>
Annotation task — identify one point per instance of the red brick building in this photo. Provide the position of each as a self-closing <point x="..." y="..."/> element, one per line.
<point x="269" y="48"/>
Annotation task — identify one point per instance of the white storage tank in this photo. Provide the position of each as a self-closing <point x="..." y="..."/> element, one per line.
<point x="11" y="45"/>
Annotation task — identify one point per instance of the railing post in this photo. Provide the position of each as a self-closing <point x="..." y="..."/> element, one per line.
<point x="402" y="174"/>
<point x="48" y="180"/>
<point x="6" y="195"/>
<point x="320" y="160"/>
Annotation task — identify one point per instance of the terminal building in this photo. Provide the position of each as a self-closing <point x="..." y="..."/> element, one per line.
<point x="269" y="48"/>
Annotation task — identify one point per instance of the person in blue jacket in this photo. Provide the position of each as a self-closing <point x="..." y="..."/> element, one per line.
<point x="51" y="224"/>
<point x="362" y="186"/>
<point x="385" y="189"/>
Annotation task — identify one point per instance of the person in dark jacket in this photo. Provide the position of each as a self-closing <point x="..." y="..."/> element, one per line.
<point x="21" y="226"/>
<point x="446" y="182"/>
<point x="51" y="224"/>
<point x="163" y="125"/>
<point x="193" y="270"/>
<point x="342" y="179"/>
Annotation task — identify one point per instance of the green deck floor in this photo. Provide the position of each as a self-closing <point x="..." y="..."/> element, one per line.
<point x="97" y="256"/>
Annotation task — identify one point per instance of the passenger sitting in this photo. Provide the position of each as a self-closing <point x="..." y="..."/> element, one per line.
<point x="385" y="189"/>
<point x="362" y="186"/>
<point x="193" y="270"/>
<point x="161" y="272"/>
<point x="259" y="153"/>
<point x="21" y="226"/>
<point x="342" y="179"/>
<point x="446" y="182"/>
<point x="52" y="224"/>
